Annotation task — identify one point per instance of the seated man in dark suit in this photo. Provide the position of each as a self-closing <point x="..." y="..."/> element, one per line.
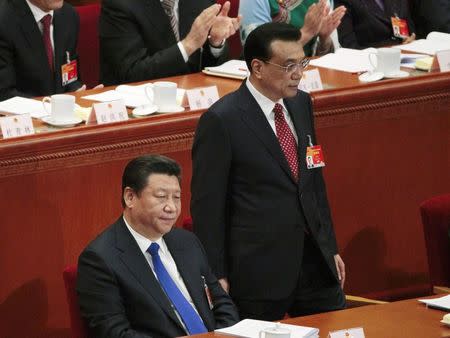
<point x="368" y="23"/>
<point x="37" y="37"/>
<point x="143" y="278"/>
<point x="148" y="39"/>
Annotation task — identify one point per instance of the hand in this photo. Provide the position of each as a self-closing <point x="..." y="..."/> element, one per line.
<point x="331" y="22"/>
<point x="83" y="87"/>
<point x="409" y="39"/>
<point x="224" y="284"/>
<point x="313" y="21"/>
<point x="200" y="28"/>
<point x="223" y="26"/>
<point x="340" y="268"/>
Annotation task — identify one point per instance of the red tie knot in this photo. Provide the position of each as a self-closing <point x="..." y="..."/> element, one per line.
<point x="278" y="109"/>
<point x="46" y="21"/>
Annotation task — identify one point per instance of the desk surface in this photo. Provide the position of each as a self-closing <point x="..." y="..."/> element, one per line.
<point x="405" y="319"/>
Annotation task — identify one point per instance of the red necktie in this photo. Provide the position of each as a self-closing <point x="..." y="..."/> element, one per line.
<point x="46" y="22"/>
<point x="286" y="139"/>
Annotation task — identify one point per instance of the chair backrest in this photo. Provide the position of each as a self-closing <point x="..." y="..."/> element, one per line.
<point x="88" y="44"/>
<point x="187" y="224"/>
<point x="436" y="225"/>
<point x="234" y="41"/>
<point x="77" y="325"/>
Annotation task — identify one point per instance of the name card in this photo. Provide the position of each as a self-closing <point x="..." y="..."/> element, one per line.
<point x="311" y="81"/>
<point x="357" y="332"/>
<point x="16" y="126"/>
<point x="109" y="112"/>
<point x="444" y="60"/>
<point x="202" y="98"/>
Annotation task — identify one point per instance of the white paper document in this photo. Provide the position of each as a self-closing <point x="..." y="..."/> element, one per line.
<point x="435" y="42"/>
<point x="236" y="69"/>
<point x="250" y="328"/>
<point x="442" y="303"/>
<point x="21" y="105"/>
<point x="346" y="60"/>
<point x="133" y="96"/>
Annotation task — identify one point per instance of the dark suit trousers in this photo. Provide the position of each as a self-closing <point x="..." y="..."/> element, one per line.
<point x="317" y="291"/>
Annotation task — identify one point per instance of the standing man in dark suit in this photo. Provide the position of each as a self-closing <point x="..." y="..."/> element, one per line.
<point x="262" y="216"/>
<point x="368" y="23"/>
<point x="37" y="37"/>
<point x="149" y="39"/>
<point x="143" y="278"/>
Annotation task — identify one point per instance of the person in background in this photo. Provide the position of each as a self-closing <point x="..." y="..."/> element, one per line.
<point x="369" y="23"/>
<point x="142" y="277"/>
<point x="430" y="15"/>
<point x="315" y="19"/>
<point x="261" y="214"/>
<point x="149" y="39"/>
<point x="38" y="39"/>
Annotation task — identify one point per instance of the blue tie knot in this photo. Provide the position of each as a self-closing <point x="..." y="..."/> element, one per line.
<point x="153" y="249"/>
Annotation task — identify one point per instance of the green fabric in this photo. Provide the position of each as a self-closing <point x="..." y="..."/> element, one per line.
<point x="292" y="12"/>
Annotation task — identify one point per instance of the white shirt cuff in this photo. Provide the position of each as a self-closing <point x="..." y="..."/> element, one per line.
<point x="183" y="51"/>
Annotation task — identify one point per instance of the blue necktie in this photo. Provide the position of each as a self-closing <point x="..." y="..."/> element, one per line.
<point x="191" y="319"/>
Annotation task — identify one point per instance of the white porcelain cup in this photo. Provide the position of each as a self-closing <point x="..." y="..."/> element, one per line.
<point x="62" y="107"/>
<point x="275" y="332"/>
<point x="386" y="60"/>
<point x="165" y="95"/>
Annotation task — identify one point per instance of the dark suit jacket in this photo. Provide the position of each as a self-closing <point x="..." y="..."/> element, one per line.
<point x="120" y="296"/>
<point x="137" y="42"/>
<point x="24" y="69"/>
<point x="247" y="209"/>
<point x="430" y="15"/>
<point x="365" y="24"/>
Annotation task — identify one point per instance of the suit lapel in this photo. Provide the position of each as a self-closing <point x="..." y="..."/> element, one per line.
<point x="33" y="36"/>
<point x="376" y="11"/>
<point x="193" y="283"/>
<point x="160" y="21"/>
<point x="59" y="37"/>
<point x="253" y="116"/>
<point x="135" y="261"/>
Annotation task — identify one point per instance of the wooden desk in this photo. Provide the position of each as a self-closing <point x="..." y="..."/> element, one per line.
<point x="386" y="147"/>
<point x="407" y="318"/>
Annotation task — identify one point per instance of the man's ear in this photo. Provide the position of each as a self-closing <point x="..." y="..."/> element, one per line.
<point x="257" y="66"/>
<point x="129" y="197"/>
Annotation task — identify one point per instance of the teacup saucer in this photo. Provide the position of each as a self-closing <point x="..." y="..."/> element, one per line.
<point x="371" y="76"/>
<point x="396" y="75"/>
<point x="172" y="109"/>
<point x="49" y="120"/>
<point x="144" y="110"/>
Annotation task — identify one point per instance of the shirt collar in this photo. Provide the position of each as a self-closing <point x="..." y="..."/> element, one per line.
<point x="264" y="102"/>
<point x="37" y="12"/>
<point x="143" y="242"/>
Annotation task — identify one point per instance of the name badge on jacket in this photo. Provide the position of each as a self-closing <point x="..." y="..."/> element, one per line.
<point x="69" y="71"/>
<point x="314" y="155"/>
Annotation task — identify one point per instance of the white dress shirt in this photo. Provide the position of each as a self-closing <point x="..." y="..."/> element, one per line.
<point x="267" y="105"/>
<point x="38" y="15"/>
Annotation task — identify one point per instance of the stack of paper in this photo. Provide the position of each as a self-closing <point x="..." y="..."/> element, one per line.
<point x="22" y="105"/>
<point x="235" y="69"/>
<point x="435" y="42"/>
<point x="442" y="303"/>
<point x="133" y="96"/>
<point x="346" y="60"/>
<point x="250" y="328"/>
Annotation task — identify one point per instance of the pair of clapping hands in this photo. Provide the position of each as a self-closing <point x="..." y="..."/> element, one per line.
<point x="321" y="21"/>
<point x="213" y="24"/>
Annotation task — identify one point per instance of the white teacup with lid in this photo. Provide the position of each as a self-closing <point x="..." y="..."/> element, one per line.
<point x="276" y="331"/>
